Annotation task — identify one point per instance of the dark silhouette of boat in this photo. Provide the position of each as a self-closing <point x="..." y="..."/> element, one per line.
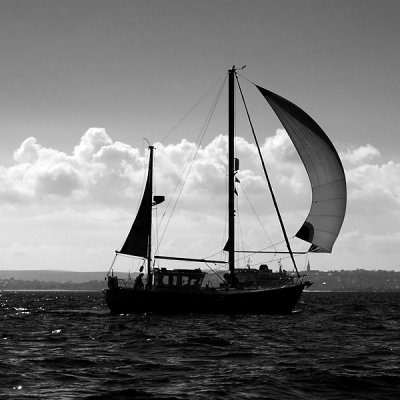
<point x="241" y="290"/>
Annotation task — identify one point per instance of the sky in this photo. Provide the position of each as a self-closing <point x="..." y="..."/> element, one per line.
<point x="82" y="83"/>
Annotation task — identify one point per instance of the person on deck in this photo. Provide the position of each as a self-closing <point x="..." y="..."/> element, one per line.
<point x="139" y="282"/>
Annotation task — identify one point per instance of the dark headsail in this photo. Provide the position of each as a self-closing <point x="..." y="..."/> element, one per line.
<point x="324" y="169"/>
<point x="137" y="241"/>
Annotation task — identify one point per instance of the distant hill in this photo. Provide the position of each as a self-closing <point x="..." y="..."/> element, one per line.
<point x="55" y="276"/>
<point x="355" y="280"/>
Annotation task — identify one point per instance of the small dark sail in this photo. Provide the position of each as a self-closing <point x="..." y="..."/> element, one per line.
<point x="324" y="169"/>
<point x="227" y="246"/>
<point x="137" y="242"/>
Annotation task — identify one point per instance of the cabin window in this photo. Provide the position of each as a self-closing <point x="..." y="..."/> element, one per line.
<point x="159" y="279"/>
<point x="185" y="280"/>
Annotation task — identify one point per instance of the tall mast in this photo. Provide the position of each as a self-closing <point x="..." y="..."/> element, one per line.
<point x="149" y="277"/>
<point x="231" y="172"/>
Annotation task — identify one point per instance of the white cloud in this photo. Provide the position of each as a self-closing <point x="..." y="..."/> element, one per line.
<point x="62" y="202"/>
<point x="368" y="249"/>
<point x="360" y="154"/>
<point x="91" y="142"/>
<point x="97" y="169"/>
<point x="375" y="184"/>
<point x="28" y="152"/>
<point x="100" y="169"/>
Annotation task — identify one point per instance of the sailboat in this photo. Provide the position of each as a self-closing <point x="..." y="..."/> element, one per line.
<point x="171" y="291"/>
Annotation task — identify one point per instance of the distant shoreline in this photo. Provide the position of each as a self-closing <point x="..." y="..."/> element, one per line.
<point x="101" y="290"/>
<point x="52" y="290"/>
<point x="332" y="281"/>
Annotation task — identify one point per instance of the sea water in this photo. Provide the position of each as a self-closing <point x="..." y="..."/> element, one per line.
<point x="66" y="345"/>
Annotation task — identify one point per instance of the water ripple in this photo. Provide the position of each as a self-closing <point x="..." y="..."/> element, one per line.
<point x="66" y="345"/>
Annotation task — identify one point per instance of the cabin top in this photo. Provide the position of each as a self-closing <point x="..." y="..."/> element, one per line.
<point x="178" y="277"/>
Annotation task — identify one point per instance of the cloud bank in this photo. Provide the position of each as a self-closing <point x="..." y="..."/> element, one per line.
<point x="85" y="201"/>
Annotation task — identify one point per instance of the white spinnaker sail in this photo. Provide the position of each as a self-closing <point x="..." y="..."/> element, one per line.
<point x="324" y="169"/>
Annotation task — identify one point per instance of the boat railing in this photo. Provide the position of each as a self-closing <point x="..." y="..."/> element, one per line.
<point x="127" y="283"/>
<point x="114" y="282"/>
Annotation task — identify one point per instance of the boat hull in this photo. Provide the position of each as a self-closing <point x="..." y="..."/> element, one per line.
<point x="205" y="301"/>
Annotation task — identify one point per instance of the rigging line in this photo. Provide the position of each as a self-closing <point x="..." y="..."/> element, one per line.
<point x="180" y="182"/>
<point x="112" y="264"/>
<point x="193" y="107"/>
<point x="245" y="256"/>
<point x="258" y="218"/>
<point x="273" y="259"/>
<point x="263" y="249"/>
<point x="272" y="245"/>
<point x="268" y="181"/>
<point x="215" y="273"/>
<point x="239" y="225"/>
<point x="224" y="236"/>
<point x="212" y="255"/>
<point x="238" y="228"/>
<point x="199" y="140"/>
<point x="195" y="151"/>
<point x="286" y="257"/>
<point x="246" y="79"/>
<point x="156" y="233"/>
